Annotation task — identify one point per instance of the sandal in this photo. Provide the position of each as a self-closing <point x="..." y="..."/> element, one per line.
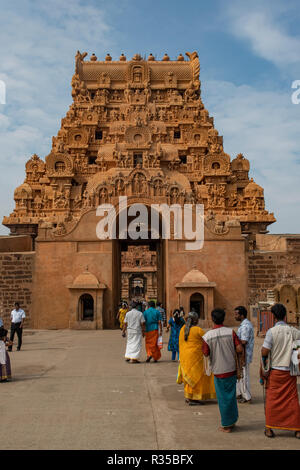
<point x="195" y="403"/>
<point x="270" y="431"/>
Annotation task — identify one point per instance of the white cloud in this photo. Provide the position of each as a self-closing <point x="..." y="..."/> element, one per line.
<point x="38" y="43"/>
<point x="263" y="125"/>
<point x="263" y="25"/>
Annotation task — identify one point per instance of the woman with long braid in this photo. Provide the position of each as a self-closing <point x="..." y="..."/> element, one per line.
<point x="197" y="385"/>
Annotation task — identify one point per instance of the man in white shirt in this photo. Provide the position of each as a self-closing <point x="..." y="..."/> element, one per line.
<point x="282" y="404"/>
<point x="17" y="321"/>
<point x="245" y="334"/>
<point x="134" y="324"/>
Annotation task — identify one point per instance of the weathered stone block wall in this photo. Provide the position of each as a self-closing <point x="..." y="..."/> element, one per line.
<point x="270" y="268"/>
<point x="264" y="272"/>
<point x="293" y="245"/>
<point x="15" y="244"/>
<point x="16" y="273"/>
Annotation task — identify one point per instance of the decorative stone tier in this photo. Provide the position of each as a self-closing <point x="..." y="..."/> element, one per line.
<point x="138" y="128"/>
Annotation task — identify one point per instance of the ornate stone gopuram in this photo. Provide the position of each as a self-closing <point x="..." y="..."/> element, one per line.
<point x="137" y="128"/>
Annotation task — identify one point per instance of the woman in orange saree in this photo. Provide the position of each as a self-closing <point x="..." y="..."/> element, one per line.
<point x="197" y="385"/>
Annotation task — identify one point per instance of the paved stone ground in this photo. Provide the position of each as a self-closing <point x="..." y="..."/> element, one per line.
<point x="73" y="390"/>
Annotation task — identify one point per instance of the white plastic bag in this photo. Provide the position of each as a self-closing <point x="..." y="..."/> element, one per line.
<point x="294" y="364"/>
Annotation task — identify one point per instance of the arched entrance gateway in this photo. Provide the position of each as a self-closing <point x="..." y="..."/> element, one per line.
<point x="136" y="128"/>
<point x="138" y="264"/>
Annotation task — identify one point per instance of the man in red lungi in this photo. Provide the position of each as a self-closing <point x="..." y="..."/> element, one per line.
<point x="282" y="403"/>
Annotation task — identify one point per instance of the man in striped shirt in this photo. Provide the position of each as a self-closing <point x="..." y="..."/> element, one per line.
<point x="246" y="335"/>
<point x="221" y="345"/>
<point x="162" y="312"/>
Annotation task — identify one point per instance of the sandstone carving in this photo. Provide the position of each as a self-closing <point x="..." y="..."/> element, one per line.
<point x="146" y="119"/>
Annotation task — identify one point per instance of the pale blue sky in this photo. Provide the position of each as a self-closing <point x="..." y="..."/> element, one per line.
<point x="249" y="56"/>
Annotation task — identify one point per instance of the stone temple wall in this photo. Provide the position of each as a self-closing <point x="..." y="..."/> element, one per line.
<point x="265" y="269"/>
<point x="16" y="276"/>
<point x="275" y="265"/>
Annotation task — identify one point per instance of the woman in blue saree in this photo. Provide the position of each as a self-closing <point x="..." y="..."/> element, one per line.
<point x="175" y="323"/>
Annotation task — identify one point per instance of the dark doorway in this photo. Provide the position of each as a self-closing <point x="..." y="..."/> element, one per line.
<point x="197" y="304"/>
<point x="137" y="286"/>
<point x="86" y="308"/>
<point x="137" y="159"/>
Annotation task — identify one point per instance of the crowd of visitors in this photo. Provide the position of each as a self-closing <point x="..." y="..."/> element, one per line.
<point x="213" y="364"/>
<point x="216" y="364"/>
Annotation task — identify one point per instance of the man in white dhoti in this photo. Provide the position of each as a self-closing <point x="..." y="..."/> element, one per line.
<point x="134" y="324"/>
<point x="246" y="335"/>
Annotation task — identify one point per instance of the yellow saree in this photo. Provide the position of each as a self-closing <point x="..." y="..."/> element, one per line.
<point x="122" y="315"/>
<point x="197" y="385"/>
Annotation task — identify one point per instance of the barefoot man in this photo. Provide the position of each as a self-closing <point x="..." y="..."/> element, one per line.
<point x="134" y="324"/>
<point x="221" y="344"/>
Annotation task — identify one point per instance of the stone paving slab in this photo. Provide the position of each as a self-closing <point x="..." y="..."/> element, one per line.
<point x="73" y="390"/>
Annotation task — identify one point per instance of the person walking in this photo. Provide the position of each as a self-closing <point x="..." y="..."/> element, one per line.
<point x="134" y="325"/>
<point x="5" y="367"/>
<point x="282" y="404"/>
<point x="245" y="334"/>
<point x="197" y="385"/>
<point x="175" y="323"/>
<point x="153" y="331"/>
<point x="121" y="315"/>
<point x="17" y="322"/>
<point x="163" y="313"/>
<point x="221" y="345"/>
